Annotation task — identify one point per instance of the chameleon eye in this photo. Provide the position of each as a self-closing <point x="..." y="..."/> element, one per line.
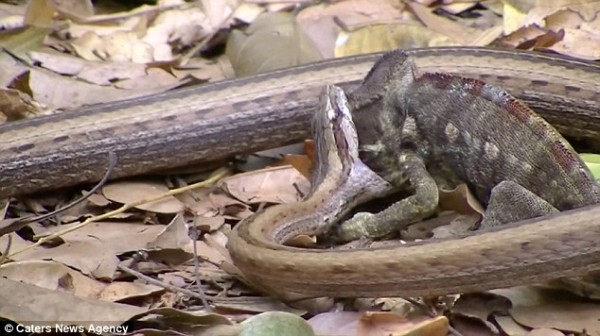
<point x="409" y="145"/>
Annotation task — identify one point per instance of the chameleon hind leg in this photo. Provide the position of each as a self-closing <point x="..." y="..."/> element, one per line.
<point x="510" y="202"/>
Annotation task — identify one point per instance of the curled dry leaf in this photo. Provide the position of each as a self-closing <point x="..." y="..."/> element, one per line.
<point x="461" y="200"/>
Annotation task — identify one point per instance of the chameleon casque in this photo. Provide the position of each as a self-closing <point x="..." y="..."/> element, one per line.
<point x="424" y="131"/>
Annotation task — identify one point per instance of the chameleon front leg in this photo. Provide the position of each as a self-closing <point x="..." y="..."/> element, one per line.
<point x="414" y="208"/>
<point x="509" y="202"/>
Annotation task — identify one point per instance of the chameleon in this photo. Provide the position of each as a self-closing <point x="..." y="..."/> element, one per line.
<point x="424" y="131"/>
<point x="416" y="131"/>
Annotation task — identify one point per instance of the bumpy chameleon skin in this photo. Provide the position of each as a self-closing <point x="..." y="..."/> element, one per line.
<point x="461" y="130"/>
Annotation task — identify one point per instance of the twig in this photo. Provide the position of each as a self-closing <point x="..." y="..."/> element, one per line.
<point x="197" y="271"/>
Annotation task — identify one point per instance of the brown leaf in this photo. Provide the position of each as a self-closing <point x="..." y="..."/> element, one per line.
<point x="15" y="105"/>
<point x="23" y="303"/>
<point x="481" y="305"/>
<point x="301" y="163"/>
<point x="174" y="236"/>
<point x="568" y="316"/>
<point x="353" y="14"/>
<point x="119" y="237"/>
<point x="455" y="31"/>
<point x="120" y="290"/>
<point x="128" y="192"/>
<point x="48" y="274"/>
<point x="272" y="185"/>
<point x="208" y="224"/>
<point x="461" y="200"/>
<point x="81" y="8"/>
<point x="384" y="323"/>
<point x="509" y="326"/>
<point x="88" y="255"/>
<point x="273" y="41"/>
<point x="545" y="332"/>
<point x="335" y="323"/>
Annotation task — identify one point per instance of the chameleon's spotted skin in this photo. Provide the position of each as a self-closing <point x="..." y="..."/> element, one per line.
<point x="422" y="130"/>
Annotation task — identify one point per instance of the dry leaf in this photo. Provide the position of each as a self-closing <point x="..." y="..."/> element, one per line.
<point x="73" y="9"/>
<point x="568" y="316"/>
<point x="98" y="200"/>
<point x="461" y="200"/>
<point x="247" y="12"/>
<point x="65" y="93"/>
<point x="384" y="323"/>
<point x="353" y="14"/>
<point x="454" y="31"/>
<point x="15" y="105"/>
<point x="11" y="17"/>
<point x="51" y="275"/>
<point x="88" y="255"/>
<point x="155" y="78"/>
<point x="481" y="305"/>
<point x="509" y="326"/>
<point x="119" y="237"/>
<point x="379" y="38"/>
<point x="118" y="291"/>
<point x="205" y="70"/>
<point x="580" y="44"/>
<point x="182" y="27"/>
<point x="301" y="163"/>
<point x="24" y="303"/>
<point x="273" y="41"/>
<point x="174" y="236"/>
<point x="514" y="17"/>
<point x="425" y="229"/>
<point x="458" y="7"/>
<point x="208" y="224"/>
<point x="523" y="36"/>
<point x="461" y="225"/>
<point x="322" y="22"/>
<point x="206" y="253"/>
<point x="272" y="185"/>
<point x="129" y="192"/>
<point x="545" y="332"/>
<point x="39" y="14"/>
<point x="20" y="43"/>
